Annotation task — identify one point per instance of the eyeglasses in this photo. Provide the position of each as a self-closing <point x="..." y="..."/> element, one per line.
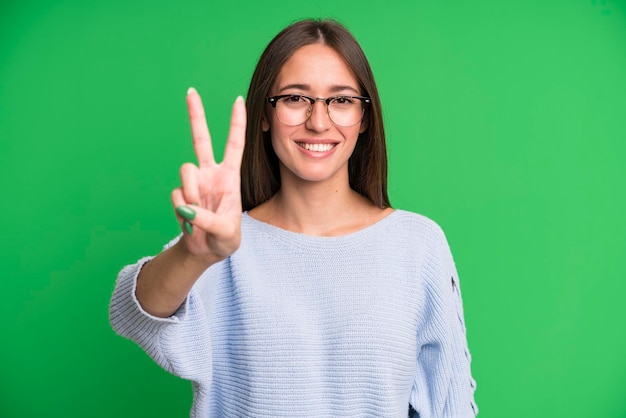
<point x="296" y="109"/>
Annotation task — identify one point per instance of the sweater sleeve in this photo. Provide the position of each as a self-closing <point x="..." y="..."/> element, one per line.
<point x="443" y="386"/>
<point x="180" y="344"/>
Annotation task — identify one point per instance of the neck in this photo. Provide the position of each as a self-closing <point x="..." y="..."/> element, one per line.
<point x="328" y="208"/>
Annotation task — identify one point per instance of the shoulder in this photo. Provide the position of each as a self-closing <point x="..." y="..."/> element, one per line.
<point x="415" y="223"/>
<point x="421" y="232"/>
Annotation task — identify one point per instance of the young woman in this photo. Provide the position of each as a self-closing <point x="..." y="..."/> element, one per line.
<point x="295" y="289"/>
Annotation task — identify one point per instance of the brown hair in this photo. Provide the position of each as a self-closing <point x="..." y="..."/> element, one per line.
<point x="367" y="167"/>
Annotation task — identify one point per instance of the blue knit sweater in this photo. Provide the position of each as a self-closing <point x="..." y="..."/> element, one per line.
<point x="297" y="325"/>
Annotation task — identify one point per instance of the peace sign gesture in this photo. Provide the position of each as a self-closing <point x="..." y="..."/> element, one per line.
<point x="208" y="203"/>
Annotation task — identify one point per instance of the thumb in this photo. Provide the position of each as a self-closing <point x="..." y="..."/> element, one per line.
<point x="222" y="228"/>
<point x="193" y="215"/>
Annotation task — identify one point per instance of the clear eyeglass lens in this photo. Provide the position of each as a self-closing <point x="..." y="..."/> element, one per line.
<point x="343" y="111"/>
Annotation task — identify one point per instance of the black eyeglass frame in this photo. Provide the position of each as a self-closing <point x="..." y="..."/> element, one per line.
<point x="365" y="100"/>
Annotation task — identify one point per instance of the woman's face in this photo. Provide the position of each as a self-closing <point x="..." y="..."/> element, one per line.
<point x="317" y="150"/>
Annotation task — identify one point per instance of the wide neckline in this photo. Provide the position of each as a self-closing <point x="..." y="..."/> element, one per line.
<point x="305" y="240"/>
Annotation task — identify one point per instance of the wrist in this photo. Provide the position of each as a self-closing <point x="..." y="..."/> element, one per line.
<point x="191" y="261"/>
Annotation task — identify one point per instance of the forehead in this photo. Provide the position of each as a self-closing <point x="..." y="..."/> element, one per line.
<point x="315" y="67"/>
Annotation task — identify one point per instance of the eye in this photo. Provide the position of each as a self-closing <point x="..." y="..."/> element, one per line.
<point x="294" y="99"/>
<point x="343" y="101"/>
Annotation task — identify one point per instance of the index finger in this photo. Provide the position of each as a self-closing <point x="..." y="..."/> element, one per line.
<point x="199" y="129"/>
<point x="236" y="136"/>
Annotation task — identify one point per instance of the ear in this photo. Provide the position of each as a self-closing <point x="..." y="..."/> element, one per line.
<point x="265" y="125"/>
<point x="364" y="125"/>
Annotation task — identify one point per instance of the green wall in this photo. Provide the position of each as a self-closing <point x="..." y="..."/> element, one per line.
<point x="506" y="124"/>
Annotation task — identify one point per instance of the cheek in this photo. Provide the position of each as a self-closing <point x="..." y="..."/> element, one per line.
<point x="280" y="136"/>
<point x="354" y="133"/>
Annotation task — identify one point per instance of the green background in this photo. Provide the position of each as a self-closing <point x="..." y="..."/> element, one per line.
<point x="505" y="121"/>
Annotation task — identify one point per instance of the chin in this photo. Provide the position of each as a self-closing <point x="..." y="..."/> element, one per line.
<point x="312" y="177"/>
<point x="314" y="173"/>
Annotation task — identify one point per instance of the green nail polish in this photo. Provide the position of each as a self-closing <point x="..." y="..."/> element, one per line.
<point x="186" y="212"/>
<point x="188" y="227"/>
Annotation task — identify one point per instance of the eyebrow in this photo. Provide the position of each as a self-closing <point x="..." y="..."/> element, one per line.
<point x="334" y="88"/>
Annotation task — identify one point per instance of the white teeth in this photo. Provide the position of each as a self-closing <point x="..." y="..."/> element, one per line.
<point x="316" y="147"/>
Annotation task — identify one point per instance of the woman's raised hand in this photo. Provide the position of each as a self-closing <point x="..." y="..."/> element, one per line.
<point x="208" y="203"/>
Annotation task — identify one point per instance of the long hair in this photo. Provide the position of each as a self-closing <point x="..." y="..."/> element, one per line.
<point x="367" y="167"/>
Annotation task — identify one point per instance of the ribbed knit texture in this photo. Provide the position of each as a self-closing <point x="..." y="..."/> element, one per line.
<point x="294" y="325"/>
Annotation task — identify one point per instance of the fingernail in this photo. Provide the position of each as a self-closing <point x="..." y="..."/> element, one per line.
<point x="191" y="90"/>
<point x="239" y="99"/>
<point x="186" y="212"/>
<point x="188" y="227"/>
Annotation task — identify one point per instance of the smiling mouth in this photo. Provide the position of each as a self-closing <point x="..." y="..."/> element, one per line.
<point x="316" y="147"/>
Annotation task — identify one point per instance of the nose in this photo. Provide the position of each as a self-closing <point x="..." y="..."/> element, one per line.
<point x="319" y="120"/>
